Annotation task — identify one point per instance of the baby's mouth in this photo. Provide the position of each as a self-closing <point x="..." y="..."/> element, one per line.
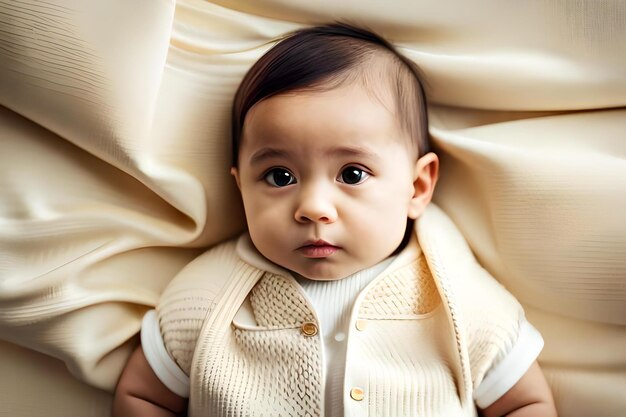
<point x="317" y="249"/>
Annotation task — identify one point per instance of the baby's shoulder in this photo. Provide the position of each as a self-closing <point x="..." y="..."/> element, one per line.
<point x="190" y="296"/>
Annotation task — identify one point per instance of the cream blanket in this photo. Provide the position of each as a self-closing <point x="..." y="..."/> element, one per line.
<point x="114" y="154"/>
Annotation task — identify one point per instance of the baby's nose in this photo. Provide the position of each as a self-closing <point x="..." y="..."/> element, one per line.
<point x="315" y="207"/>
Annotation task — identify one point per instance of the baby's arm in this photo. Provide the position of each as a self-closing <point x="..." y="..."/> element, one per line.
<point x="139" y="392"/>
<point x="529" y="397"/>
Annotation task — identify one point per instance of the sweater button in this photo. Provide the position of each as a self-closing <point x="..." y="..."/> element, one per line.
<point x="309" y="329"/>
<point x="357" y="394"/>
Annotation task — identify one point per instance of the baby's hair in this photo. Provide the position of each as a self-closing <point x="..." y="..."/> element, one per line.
<point x="324" y="57"/>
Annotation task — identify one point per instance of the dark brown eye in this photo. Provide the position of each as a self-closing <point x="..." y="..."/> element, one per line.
<point x="353" y="175"/>
<point x="280" y="177"/>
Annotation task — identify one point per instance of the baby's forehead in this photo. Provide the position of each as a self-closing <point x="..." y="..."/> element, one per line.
<point x="349" y="115"/>
<point x="385" y="80"/>
<point x="349" y="108"/>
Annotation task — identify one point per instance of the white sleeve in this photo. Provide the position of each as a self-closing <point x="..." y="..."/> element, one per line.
<point x="509" y="370"/>
<point x="165" y="368"/>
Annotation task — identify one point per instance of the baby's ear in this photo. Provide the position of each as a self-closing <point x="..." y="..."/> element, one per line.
<point x="424" y="180"/>
<point x="235" y="173"/>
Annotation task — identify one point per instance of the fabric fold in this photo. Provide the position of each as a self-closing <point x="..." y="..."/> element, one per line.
<point x="114" y="158"/>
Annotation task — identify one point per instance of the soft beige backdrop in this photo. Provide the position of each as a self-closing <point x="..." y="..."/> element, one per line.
<point x="114" y="154"/>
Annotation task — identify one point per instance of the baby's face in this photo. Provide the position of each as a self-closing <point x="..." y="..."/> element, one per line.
<point x="327" y="181"/>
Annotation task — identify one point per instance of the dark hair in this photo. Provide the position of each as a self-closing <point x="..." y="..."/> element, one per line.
<point x="310" y="58"/>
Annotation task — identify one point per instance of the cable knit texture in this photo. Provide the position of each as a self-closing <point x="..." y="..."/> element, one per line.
<point x="277" y="303"/>
<point x="410" y="291"/>
<point x="434" y="325"/>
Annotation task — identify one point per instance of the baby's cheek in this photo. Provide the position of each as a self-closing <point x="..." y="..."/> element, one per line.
<point x="385" y="223"/>
<point x="260" y="206"/>
<point x="267" y="221"/>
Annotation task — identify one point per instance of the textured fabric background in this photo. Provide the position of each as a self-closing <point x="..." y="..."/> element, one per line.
<point x="114" y="154"/>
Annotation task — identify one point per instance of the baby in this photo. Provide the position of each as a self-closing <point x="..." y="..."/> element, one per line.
<point x="347" y="295"/>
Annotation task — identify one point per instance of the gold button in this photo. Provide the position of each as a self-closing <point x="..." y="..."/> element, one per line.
<point x="357" y="394"/>
<point x="361" y="324"/>
<point x="309" y="329"/>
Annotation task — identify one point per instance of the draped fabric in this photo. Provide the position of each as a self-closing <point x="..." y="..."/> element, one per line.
<point x="114" y="157"/>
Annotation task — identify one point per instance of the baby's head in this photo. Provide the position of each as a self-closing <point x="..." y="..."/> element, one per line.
<point x="330" y="140"/>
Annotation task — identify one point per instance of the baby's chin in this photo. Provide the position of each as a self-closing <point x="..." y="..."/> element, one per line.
<point x="329" y="273"/>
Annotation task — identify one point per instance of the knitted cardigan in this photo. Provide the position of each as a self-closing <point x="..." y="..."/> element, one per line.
<point x="248" y="338"/>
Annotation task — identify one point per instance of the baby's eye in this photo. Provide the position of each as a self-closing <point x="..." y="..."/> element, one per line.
<point x="353" y="175"/>
<point x="280" y="177"/>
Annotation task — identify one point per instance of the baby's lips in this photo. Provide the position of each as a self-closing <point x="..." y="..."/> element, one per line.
<point x="318" y="251"/>
<point x="317" y="242"/>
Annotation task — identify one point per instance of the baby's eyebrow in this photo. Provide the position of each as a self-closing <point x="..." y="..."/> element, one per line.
<point x="353" y="151"/>
<point x="267" y="153"/>
<point x="341" y="151"/>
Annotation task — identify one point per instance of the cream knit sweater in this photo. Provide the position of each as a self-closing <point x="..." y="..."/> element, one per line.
<point x="422" y="338"/>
